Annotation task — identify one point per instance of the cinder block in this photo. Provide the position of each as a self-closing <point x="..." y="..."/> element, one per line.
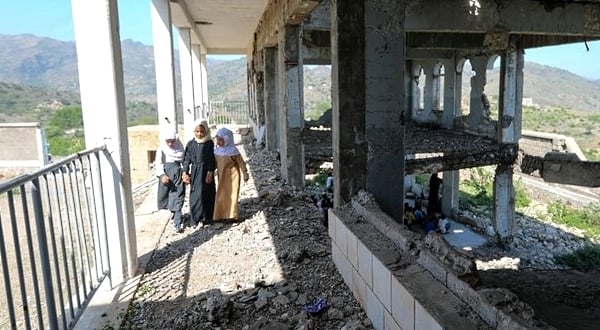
<point x="374" y="310"/>
<point x="341" y="237"/>
<point x="390" y="324"/>
<point x="365" y="264"/>
<point x="359" y="288"/>
<point x="382" y="283"/>
<point x="424" y="320"/>
<point x="403" y="305"/>
<point x="353" y="249"/>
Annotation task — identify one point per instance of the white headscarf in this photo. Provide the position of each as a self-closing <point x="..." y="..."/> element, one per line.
<point x="228" y="148"/>
<point x="174" y="153"/>
<point x="203" y="123"/>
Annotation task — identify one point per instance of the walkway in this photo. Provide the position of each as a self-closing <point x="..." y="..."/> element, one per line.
<point x="260" y="273"/>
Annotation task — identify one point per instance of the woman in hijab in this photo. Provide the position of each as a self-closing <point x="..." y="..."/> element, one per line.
<point x="199" y="166"/>
<point x="171" y="190"/>
<point x="231" y="168"/>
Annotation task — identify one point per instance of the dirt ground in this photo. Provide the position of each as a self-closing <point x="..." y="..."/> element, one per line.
<point x="300" y="267"/>
<point x="563" y="299"/>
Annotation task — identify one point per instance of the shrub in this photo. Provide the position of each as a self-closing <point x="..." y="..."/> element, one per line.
<point x="584" y="259"/>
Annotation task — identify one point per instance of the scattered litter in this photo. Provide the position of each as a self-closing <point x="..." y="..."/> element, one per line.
<point x="316" y="308"/>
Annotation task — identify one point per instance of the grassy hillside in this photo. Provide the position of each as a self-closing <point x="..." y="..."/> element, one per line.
<point x="39" y="75"/>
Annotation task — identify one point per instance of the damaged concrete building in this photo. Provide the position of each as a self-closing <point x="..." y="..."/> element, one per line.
<point x="397" y="93"/>
<point x="397" y="111"/>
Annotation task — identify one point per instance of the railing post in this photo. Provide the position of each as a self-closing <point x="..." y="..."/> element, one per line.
<point x="36" y="197"/>
<point x="6" y="277"/>
<point x="97" y="190"/>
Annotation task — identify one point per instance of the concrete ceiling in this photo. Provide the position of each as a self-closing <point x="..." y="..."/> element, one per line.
<point x="220" y="26"/>
<point x="228" y="26"/>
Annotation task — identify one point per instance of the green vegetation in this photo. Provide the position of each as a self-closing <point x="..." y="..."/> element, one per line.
<point x="317" y="111"/>
<point x="318" y="179"/>
<point x="65" y="131"/>
<point x="478" y="190"/>
<point x="586" y="219"/>
<point x="144" y="289"/>
<point x="422" y="179"/>
<point x="141" y="113"/>
<point x="584" y="259"/>
<point x="582" y="126"/>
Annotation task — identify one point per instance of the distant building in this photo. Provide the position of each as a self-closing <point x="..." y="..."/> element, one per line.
<point x="23" y="146"/>
<point x="528" y="101"/>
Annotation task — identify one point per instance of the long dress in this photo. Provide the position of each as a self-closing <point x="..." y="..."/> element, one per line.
<point x="230" y="170"/>
<point x="199" y="158"/>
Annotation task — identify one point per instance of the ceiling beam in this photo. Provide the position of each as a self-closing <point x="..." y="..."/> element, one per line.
<point x="278" y="14"/>
<point x="182" y="18"/>
<point x="514" y="17"/>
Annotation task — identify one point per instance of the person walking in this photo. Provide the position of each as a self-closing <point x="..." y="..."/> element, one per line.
<point x="231" y="168"/>
<point x="199" y="167"/>
<point x="171" y="190"/>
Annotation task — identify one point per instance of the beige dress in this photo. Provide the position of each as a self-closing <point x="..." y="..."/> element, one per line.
<point x="231" y="170"/>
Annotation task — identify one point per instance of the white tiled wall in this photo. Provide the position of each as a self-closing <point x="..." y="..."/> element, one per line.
<point x="387" y="303"/>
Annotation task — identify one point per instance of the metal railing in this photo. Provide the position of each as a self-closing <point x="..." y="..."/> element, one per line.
<point x="53" y="243"/>
<point x="226" y="112"/>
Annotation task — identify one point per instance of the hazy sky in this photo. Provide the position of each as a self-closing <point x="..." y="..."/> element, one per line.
<point x="52" y="18"/>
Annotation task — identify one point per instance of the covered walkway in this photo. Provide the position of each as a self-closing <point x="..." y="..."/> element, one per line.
<point x="261" y="272"/>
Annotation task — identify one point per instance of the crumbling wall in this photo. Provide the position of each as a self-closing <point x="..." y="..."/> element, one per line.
<point x="411" y="281"/>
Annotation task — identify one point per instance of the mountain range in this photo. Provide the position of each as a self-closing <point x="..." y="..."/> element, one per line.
<point x="46" y="70"/>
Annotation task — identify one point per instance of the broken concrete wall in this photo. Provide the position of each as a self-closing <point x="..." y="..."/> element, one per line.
<point x="407" y="281"/>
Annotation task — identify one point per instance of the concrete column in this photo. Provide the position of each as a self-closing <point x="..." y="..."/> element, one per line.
<point x="452" y="95"/>
<point x="204" y="89"/>
<point x="199" y="83"/>
<point x="187" y="81"/>
<point x="428" y="89"/>
<point x="479" y="64"/>
<point x="509" y="129"/>
<point x="164" y="63"/>
<point x="504" y="204"/>
<point x="271" y="107"/>
<point x="105" y="120"/>
<point x="259" y="91"/>
<point x="511" y="95"/>
<point x="348" y="80"/>
<point x="291" y="95"/>
<point x="368" y="84"/>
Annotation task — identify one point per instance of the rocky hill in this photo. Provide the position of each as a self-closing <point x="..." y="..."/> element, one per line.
<point x="37" y="62"/>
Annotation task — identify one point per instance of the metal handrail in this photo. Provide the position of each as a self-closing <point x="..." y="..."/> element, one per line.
<point x="54" y="245"/>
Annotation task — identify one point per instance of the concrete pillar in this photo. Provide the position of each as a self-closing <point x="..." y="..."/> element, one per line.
<point x="105" y="120"/>
<point x="452" y="95"/>
<point x="187" y="81"/>
<point x="479" y="65"/>
<point x="368" y="84"/>
<point x="259" y="99"/>
<point x="199" y="84"/>
<point x="162" y="39"/>
<point x="204" y="88"/>
<point x="504" y="204"/>
<point x="271" y="107"/>
<point x="291" y="99"/>
<point x="428" y="89"/>
<point x="348" y="80"/>
<point x="509" y="130"/>
<point x="511" y="95"/>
